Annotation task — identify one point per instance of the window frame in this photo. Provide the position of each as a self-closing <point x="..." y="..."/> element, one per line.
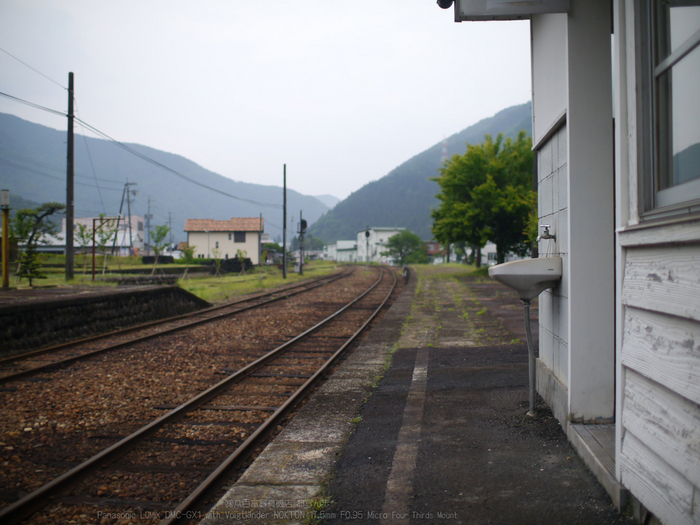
<point x="239" y="237"/>
<point x="653" y="116"/>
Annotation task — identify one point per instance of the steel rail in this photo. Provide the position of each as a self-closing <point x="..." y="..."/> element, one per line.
<point x="194" y="499"/>
<point x="37" y="499"/>
<point x="68" y="360"/>
<point x="142" y="326"/>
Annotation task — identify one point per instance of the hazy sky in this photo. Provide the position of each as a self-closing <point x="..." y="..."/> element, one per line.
<point x="340" y="91"/>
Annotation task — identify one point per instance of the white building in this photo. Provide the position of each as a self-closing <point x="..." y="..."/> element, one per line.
<point x="374" y="239"/>
<point x="129" y="238"/>
<point x="616" y="133"/>
<point x="342" y="251"/>
<point x="223" y="239"/>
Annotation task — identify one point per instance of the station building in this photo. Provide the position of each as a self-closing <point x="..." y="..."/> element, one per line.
<point x="616" y="136"/>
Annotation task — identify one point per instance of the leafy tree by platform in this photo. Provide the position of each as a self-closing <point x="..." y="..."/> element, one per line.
<point x="29" y="227"/>
<point x="84" y="237"/>
<point x="158" y="243"/>
<point x="406" y="247"/>
<point x="105" y="233"/>
<point x="486" y="195"/>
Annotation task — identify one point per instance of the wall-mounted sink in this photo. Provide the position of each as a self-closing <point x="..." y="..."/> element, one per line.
<point x="529" y="276"/>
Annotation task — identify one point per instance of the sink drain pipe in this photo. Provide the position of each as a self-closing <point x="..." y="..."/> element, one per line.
<point x="530" y="357"/>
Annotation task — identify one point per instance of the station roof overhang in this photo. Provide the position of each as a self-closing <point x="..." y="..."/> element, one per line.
<point x="484" y="10"/>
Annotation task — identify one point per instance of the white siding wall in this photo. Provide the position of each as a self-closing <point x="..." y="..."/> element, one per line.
<point x="660" y="361"/>
<point x="552" y="176"/>
<point x="658" y="323"/>
<point x="347" y="255"/>
<point x="573" y="142"/>
<point x="205" y="244"/>
<point x="377" y="243"/>
<point x="332" y="251"/>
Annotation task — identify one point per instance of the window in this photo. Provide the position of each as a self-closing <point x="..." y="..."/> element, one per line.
<point x="672" y="54"/>
<point x="238" y="236"/>
<point x="217" y="244"/>
<point x="229" y="236"/>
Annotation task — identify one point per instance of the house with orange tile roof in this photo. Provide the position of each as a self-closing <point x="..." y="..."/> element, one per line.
<point x="223" y="239"/>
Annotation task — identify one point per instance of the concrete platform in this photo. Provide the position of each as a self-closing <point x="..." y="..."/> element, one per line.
<point x="40" y="317"/>
<point x="441" y="438"/>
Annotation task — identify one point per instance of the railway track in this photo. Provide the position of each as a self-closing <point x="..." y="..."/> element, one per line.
<point x="193" y="447"/>
<point x="31" y="363"/>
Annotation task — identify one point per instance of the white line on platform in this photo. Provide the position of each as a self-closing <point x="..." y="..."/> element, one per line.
<point x="400" y="483"/>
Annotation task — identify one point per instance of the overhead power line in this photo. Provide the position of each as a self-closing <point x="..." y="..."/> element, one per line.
<point x="33" y="69"/>
<point x="174" y="172"/>
<point x="91" y="164"/>
<point x="32" y="104"/>
<point x="138" y="154"/>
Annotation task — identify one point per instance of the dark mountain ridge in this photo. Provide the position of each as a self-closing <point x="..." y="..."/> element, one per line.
<point x="404" y="197"/>
<point x="33" y="166"/>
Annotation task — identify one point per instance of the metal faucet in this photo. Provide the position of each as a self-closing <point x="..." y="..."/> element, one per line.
<point x="545" y="234"/>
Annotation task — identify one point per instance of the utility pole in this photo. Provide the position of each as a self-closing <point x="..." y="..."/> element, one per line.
<point x="302" y="230"/>
<point x="70" y="176"/>
<point x="284" y="223"/>
<point x="148" y="227"/>
<point x="170" y="229"/>
<point x="367" y="243"/>
<point x="5" y="204"/>
<point x="128" y="207"/>
<point x="121" y="207"/>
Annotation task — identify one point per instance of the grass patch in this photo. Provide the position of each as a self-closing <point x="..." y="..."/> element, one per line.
<point x="212" y="289"/>
<point x="220" y="288"/>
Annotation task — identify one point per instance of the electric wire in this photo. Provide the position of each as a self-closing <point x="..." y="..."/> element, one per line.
<point x="141" y="155"/>
<point x="7" y="153"/>
<point x="33" y="69"/>
<point x="44" y="174"/>
<point x="174" y="172"/>
<point x="90" y="159"/>
<point x="268" y="223"/>
<point x="32" y="104"/>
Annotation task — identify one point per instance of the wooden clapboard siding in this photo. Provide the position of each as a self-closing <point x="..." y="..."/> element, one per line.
<point x="663" y="279"/>
<point x="673" y="232"/>
<point x="665" y="423"/>
<point x="665" y="492"/>
<point x="665" y="349"/>
<point x="660" y="418"/>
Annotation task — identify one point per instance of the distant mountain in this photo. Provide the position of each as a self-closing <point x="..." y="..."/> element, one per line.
<point x="33" y="167"/>
<point x="328" y="200"/>
<point x="405" y="196"/>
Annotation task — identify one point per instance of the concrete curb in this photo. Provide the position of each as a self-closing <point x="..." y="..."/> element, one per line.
<point x="278" y="488"/>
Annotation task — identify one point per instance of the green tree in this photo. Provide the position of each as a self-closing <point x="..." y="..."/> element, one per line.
<point x="312" y="243"/>
<point x="188" y="253"/>
<point x="272" y="247"/>
<point x="84" y="237"/>
<point x="486" y="195"/>
<point x="105" y="233"/>
<point x="406" y="247"/>
<point x="158" y="242"/>
<point x="29" y="228"/>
